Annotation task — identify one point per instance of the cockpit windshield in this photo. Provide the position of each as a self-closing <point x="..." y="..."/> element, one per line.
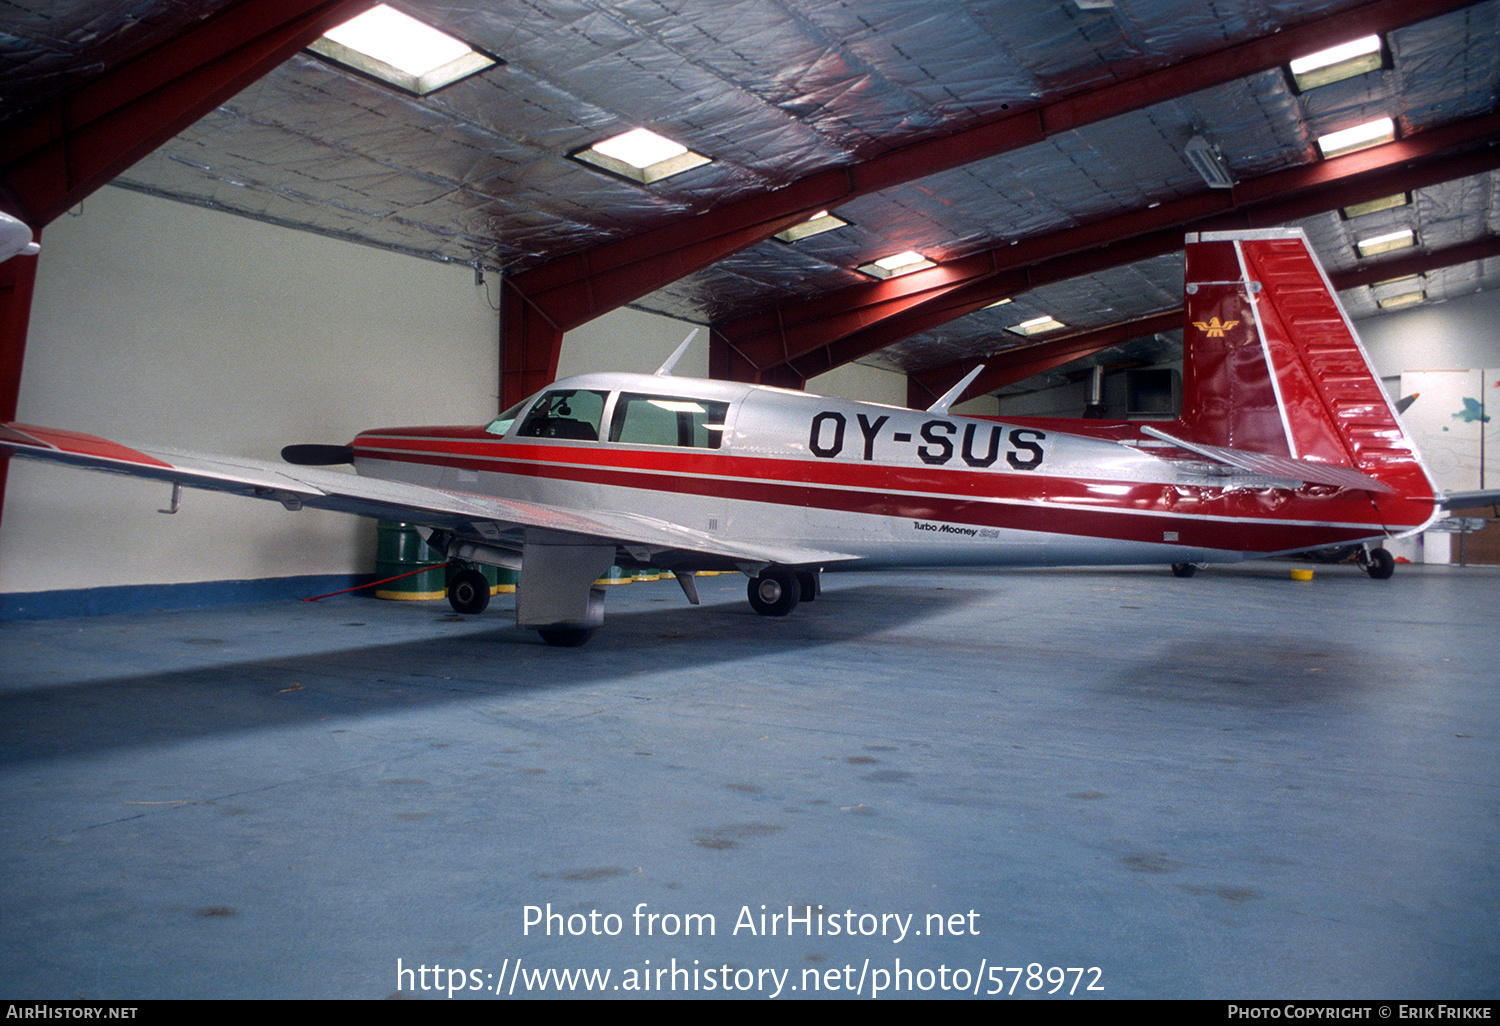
<point x="566" y="413"/>
<point x="502" y="423"/>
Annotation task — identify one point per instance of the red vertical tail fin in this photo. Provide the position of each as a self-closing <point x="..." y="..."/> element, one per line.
<point x="1272" y="364"/>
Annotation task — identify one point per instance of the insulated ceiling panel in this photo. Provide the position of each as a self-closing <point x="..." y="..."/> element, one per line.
<point x="776" y="91"/>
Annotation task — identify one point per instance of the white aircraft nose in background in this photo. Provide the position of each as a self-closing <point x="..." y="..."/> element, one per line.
<point x="15" y="238"/>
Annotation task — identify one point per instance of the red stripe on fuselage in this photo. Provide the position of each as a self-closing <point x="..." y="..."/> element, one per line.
<point x="1027" y="501"/>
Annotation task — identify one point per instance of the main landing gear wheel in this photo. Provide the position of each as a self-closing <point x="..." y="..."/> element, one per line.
<point x="469" y="592"/>
<point x="1380" y="564"/>
<point x="774" y="593"/>
<point x="808" y="580"/>
<point x="565" y="637"/>
<point x="1184" y="569"/>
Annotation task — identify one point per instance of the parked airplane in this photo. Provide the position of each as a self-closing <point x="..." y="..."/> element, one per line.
<point x="1286" y="442"/>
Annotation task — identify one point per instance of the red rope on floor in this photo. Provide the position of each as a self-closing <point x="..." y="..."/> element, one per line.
<point x="361" y="587"/>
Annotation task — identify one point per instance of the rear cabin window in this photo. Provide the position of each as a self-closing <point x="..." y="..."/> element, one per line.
<point x="571" y="413"/>
<point x="668" y="420"/>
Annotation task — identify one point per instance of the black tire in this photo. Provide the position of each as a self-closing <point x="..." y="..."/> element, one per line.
<point x="1381" y="565"/>
<point x="469" y="592"/>
<point x="1184" y="569"/>
<point x="565" y="637"/>
<point x="774" y="593"/>
<point x="808" y="581"/>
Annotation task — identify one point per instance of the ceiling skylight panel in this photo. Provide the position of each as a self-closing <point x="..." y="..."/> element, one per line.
<point x="641" y="156"/>
<point x="1037" y="325"/>
<point x="1401" y="301"/>
<point x="897" y="264"/>
<point x="1357" y="57"/>
<point x="1377" y="244"/>
<point x="1400" y="199"/>
<point x="819" y="223"/>
<point x="1360" y="137"/>
<point x="401" y="51"/>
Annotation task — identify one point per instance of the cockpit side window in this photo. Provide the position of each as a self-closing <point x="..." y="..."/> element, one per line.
<point x="566" y="413"/>
<point x="668" y="420"/>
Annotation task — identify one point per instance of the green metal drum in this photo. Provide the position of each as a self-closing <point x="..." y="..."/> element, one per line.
<point x="399" y="550"/>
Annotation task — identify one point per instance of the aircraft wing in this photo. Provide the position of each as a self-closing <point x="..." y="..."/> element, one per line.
<point x="296" y="487"/>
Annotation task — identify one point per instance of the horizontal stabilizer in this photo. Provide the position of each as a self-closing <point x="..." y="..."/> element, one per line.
<point x="1466" y="500"/>
<point x="1277" y="466"/>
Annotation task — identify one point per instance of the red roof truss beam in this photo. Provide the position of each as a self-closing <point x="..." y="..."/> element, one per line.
<point x="1018" y="364"/>
<point x="815" y="335"/>
<point x="58" y="154"/>
<point x="574" y="289"/>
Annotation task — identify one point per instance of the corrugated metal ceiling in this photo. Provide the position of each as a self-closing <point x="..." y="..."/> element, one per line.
<point x="774" y="90"/>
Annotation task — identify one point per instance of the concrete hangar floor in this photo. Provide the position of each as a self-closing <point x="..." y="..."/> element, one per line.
<point x="1236" y="785"/>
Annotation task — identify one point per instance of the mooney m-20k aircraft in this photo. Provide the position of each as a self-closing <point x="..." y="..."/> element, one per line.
<point x="1286" y="442"/>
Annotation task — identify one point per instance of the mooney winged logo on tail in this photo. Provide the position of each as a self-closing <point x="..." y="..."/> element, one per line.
<point x="1214" y="327"/>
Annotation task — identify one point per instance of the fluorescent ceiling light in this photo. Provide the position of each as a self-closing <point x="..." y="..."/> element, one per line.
<point x="1037" y="325"/>
<point x="1405" y="283"/>
<point x="1401" y="199"/>
<point x="1360" y="137"/>
<point x="400" y="50"/>
<point x="998" y="302"/>
<point x="1208" y="162"/>
<point x="897" y="264"/>
<point x="642" y="156"/>
<point x="1337" y="63"/>
<point x="1405" y="299"/>
<point x="1378" y="244"/>
<point x="677" y="405"/>
<point x="819" y="223"/>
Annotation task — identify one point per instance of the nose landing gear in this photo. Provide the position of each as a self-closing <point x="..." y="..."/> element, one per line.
<point x="1378" y="563"/>
<point x="469" y="592"/>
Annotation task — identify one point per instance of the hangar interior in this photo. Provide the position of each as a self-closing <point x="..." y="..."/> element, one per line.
<point x="245" y="243"/>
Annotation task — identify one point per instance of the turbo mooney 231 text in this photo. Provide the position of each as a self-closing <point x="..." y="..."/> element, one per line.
<point x="1286" y="442"/>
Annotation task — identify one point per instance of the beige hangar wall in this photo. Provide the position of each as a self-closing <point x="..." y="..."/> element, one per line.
<point x="159" y="322"/>
<point x="163" y="323"/>
<point x="1455" y="335"/>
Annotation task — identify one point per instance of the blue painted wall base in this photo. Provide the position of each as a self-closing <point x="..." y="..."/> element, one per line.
<point x="51" y="605"/>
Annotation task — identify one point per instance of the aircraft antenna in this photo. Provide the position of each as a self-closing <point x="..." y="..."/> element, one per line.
<point x="951" y="396"/>
<point x="666" y="368"/>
